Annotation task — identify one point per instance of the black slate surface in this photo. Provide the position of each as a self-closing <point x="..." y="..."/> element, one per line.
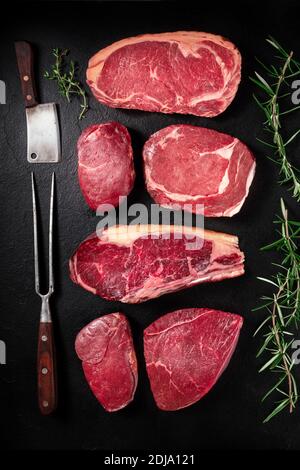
<point x="230" y="416"/>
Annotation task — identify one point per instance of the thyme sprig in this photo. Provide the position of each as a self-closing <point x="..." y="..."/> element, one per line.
<point x="283" y="308"/>
<point x="276" y="85"/>
<point x="65" y="76"/>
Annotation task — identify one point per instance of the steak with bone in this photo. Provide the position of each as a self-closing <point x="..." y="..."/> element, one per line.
<point x="135" y="263"/>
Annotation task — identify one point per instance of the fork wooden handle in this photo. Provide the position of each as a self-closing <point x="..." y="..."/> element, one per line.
<point x="46" y="369"/>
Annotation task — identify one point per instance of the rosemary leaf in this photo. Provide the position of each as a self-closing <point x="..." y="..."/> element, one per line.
<point x="271" y="245"/>
<point x="265" y="344"/>
<point x="267" y="143"/>
<point x="283" y="404"/>
<point x="289" y="111"/>
<point x="267" y="280"/>
<point x="264" y="82"/>
<point x="275" y="387"/>
<point x="270" y="362"/>
<point x="292" y="138"/>
<point x="279" y="313"/>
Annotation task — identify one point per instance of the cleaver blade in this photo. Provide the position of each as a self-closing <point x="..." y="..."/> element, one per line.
<point x="43" y="137"/>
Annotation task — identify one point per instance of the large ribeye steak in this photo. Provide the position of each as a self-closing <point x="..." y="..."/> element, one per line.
<point x="136" y="263"/>
<point x="198" y="169"/>
<point x="106" y="349"/>
<point x="181" y="72"/>
<point x="105" y="164"/>
<point x="186" y="351"/>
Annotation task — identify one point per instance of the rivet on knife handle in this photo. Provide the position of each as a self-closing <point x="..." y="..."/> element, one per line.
<point x="25" y="64"/>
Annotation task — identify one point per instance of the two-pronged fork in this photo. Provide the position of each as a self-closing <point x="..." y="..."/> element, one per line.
<point x="47" y="390"/>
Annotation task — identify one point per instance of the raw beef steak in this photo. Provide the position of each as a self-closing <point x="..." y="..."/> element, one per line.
<point x="197" y="169"/>
<point x="108" y="359"/>
<point x="136" y="263"/>
<point x="182" y="72"/>
<point x="105" y="164"/>
<point x="186" y="351"/>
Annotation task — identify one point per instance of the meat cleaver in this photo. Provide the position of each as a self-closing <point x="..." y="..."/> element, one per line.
<point x="43" y="136"/>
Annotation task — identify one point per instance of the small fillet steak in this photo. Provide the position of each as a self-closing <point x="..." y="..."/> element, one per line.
<point x="135" y="263"/>
<point x="109" y="363"/>
<point x="185" y="72"/>
<point x="199" y="170"/>
<point x="186" y="351"/>
<point x="105" y="164"/>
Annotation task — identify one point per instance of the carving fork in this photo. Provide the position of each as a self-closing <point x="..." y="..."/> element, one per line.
<point x="46" y="367"/>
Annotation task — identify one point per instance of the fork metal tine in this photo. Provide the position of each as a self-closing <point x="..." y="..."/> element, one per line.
<point x="50" y="255"/>
<point x="35" y="238"/>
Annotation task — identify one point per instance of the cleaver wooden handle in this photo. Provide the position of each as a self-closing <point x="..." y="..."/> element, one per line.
<point x="25" y="64"/>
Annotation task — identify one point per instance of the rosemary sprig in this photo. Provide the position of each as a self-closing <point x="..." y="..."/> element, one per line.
<point x="283" y="309"/>
<point x="65" y="76"/>
<point x="276" y="86"/>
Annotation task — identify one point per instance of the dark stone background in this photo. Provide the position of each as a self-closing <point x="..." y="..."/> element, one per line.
<point x="230" y="416"/>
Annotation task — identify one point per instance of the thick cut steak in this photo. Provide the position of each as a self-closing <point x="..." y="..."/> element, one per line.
<point x="108" y="359"/>
<point x="186" y="351"/>
<point x="182" y="72"/>
<point x="198" y="169"/>
<point x="136" y="263"/>
<point x="105" y="164"/>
